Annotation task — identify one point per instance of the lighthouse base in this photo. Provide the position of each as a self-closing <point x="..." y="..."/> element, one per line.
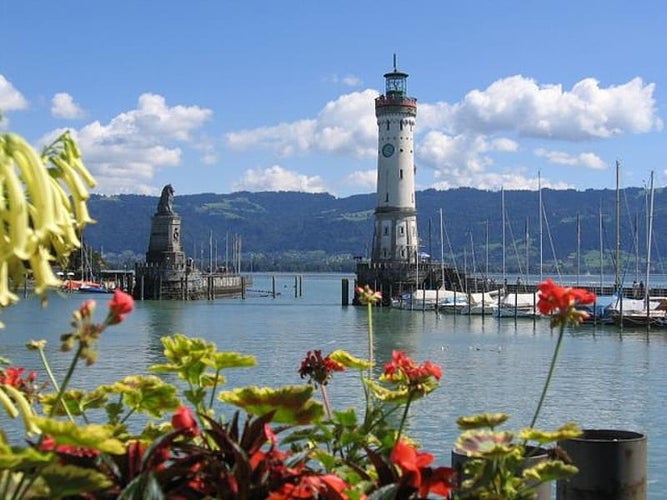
<point x="394" y="279"/>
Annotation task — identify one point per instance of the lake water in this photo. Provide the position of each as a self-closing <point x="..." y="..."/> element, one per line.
<point x="604" y="378"/>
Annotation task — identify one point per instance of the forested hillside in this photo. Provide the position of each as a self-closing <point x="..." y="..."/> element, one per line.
<point x="301" y="231"/>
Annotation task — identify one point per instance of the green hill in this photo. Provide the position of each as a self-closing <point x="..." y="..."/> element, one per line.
<point x="301" y="231"/>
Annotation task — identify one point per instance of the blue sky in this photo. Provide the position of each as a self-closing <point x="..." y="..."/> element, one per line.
<point x="222" y="96"/>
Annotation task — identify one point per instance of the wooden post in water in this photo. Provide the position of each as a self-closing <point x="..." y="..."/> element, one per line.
<point x="296" y="286"/>
<point x="345" y="292"/>
<point x="243" y="287"/>
<point x="273" y="286"/>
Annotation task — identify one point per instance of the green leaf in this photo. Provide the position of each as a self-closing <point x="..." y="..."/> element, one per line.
<point x="348" y="361"/>
<point x="482" y="420"/>
<point x="226" y="360"/>
<point x="187" y="357"/>
<point x="485" y="444"/>
<point x="93" y="436"/>
<point x="23" y="459"/>
<point x="398" y="396"/>
<point x="292" y="404"/>
<point x="550" y="470"/>
<point x="147" y="393"/>
<point x="76" y="400"/>
<point x="567" y="431"/>
<point x="346" y="418"/>
<point x="69" y="480"/>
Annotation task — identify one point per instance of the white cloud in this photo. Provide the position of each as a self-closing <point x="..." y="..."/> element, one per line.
<point x="345" y="126"/>
<point x="462" y="141"/>
<point x="494" y="181"/>
<point x="459" y="155"/>
<point x="277" y="178"/>
<point x="587" y="111"/>
<point x="10" y="98"/>
<point x="63" y="106"/>
<point x="588" y="160"/>
<point x="124" y="154"/>
<point x="362" y="181"/>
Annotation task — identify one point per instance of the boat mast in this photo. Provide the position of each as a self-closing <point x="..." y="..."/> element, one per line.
<point x="442" y="253"/>
<point x="617" y="278"/>
<point x="527" y="249"/>
<point x="578" y="248"/>
<point x="486" y="261"/>
<point x="502" y="203"/>
<point x="601" y="247"/>
<point x="648" y="241"/>
<point x="539" y="188"/>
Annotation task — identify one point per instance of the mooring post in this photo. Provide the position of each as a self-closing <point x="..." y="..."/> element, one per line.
<point x="243" y="287"/>
<point x="345" y="292"/>
<point x="273" y="286"/>
<point x="296" y="286"/>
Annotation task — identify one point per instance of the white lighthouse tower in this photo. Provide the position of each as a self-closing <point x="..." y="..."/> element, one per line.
<point x="395" y="237"/>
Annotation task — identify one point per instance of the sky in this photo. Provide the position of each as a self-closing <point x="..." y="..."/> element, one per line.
<point x="225" y="96"/>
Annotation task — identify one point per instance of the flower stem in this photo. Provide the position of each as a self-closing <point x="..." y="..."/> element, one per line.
<point x="548" y="380"/>
<point x="52" y="378"/>
<point x="404" y="418"/>
<point x="370" y="339"/>
<point x="325" y="398"/>
<point x="63" y="387"/>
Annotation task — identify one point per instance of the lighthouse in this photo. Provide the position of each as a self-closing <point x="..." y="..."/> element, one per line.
<point x="395" y="266"/>
<point x="395" y="238"/>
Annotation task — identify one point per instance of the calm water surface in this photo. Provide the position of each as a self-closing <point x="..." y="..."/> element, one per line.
<point x="604" y="378"/>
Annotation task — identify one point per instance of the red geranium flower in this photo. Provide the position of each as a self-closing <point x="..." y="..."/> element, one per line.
<point x="13" y="376"/>
<point x="560" y="302"/>
<point x="404" y="371"/>
<point x="183" y="419"/>
<point x="311" y="486"/>
<point x="414" y="465"/>
<point x="319" y="368"/>
<point x="119" y="307"/>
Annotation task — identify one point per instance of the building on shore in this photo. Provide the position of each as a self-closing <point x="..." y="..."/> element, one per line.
<point x="167" y="274"/>
<point x="396" y="264"/>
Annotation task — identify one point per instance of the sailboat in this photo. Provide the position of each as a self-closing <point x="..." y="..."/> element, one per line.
<point x="86" y="284"/>
<point x="644" y="311"/>
<point x="515" y="305"/>
<point x="484" y="302"/>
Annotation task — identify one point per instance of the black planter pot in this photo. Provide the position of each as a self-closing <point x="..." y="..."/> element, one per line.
<point x="612" y="466"/>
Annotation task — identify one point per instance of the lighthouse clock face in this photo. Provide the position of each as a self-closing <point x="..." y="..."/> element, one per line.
<point x="387" y="150"/>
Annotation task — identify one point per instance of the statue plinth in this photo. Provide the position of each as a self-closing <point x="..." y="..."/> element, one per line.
<point x="165" y="238"/>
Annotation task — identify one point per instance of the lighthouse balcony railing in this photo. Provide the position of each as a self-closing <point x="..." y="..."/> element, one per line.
<point x="395" y="101"/>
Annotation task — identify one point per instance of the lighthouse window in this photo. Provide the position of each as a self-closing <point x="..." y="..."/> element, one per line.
<point x="401" y="124"/>
<point x="401" y="173"/>
<point x="388" y="124"/>
<point x="402" y="230"/>
<point x="386" y="231"/>
<point x="386" y="198"/>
